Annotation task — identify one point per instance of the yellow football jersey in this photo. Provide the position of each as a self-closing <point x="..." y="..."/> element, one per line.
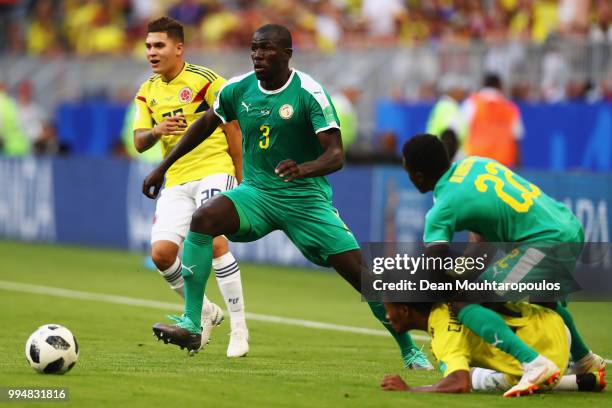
<point x="458" y="348"/>
<point x="192" y="92"/>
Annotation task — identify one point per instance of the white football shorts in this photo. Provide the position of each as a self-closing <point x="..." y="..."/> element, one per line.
<point x="177" y="204"/>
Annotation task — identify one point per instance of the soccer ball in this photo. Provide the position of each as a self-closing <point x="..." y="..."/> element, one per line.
<point x="52" y="349"/>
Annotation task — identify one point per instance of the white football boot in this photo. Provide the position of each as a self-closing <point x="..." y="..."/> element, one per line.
<point x="239" y="342"/>
<point x="590" y="363"/>
<point x="212" y="316"/>
<point x="540" y="373"/>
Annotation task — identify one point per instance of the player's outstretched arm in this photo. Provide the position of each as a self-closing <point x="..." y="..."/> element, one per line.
<point x="233" y="134"/>
<point x="195" y="134"/>
<point x="456" y="382"/>
<point x="330" y="161"/>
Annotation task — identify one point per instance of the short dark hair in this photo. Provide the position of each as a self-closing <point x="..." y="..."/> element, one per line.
<point x="280" y="34"/>
<point x="427" y="154"/>
<point x="167" y="25"/>
<point x="421" y="307"/>
<point x="492" y="80"/>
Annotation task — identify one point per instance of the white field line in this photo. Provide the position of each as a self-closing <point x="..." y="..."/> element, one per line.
<point x="154" y="304"/>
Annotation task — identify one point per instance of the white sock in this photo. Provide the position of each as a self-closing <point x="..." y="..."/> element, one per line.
<point x="173" y="276"/>
<point x="567" y="383"/>
<point x="484" y="379"/>
<point x="228" y="277"/>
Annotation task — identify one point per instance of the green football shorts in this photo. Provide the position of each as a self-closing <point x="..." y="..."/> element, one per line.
<point x="311" y="223"/>
<point x="535" y="264"/>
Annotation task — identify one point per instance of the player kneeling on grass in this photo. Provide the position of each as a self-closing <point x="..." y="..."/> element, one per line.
<point x="480" y="195"/>
<point x="469" y="363"/>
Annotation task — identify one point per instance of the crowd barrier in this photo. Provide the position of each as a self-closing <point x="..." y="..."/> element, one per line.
<point x="98" y="202"/>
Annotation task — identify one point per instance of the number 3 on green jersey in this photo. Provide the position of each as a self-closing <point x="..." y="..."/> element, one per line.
<point x="278" y="125"/>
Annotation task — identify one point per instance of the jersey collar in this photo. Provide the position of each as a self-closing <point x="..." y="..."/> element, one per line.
<point x="279" y="90"/>
<point x="185" y="64"/>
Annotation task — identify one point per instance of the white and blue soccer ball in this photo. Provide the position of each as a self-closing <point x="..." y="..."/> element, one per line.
<point x="52" y="349"/>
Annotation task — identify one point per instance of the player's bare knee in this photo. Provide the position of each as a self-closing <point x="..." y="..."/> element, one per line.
<point x="163" y="256"/>
<point x="349" y="265"/>
<point x="203" y="221"/>
<point x="220" y="247"/>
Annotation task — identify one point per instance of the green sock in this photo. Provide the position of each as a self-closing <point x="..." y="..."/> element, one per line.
<point x="493" y="329"/>
<point x="197" y="261"/>
<point x="579" y="348"/>
<point x="404" y="341"/>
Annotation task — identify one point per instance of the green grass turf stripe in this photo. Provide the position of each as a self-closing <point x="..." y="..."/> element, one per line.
<point x="129" y="301"/>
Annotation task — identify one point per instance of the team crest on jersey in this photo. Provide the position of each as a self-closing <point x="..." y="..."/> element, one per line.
<point x="185" y="95"/>
<point x="286" y="111"/>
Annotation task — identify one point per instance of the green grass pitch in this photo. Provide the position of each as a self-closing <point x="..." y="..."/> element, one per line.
<point x="121" y="364"/>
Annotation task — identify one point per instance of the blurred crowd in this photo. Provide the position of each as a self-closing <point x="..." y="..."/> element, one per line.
<point x="53" y="28"/>
<point x="25" y="127"/>
<point x="86" y="27"/>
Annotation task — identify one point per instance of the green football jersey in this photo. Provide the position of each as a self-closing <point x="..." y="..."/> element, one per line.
<point x="483" y="196"/>
<point x="278" y="125"/>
